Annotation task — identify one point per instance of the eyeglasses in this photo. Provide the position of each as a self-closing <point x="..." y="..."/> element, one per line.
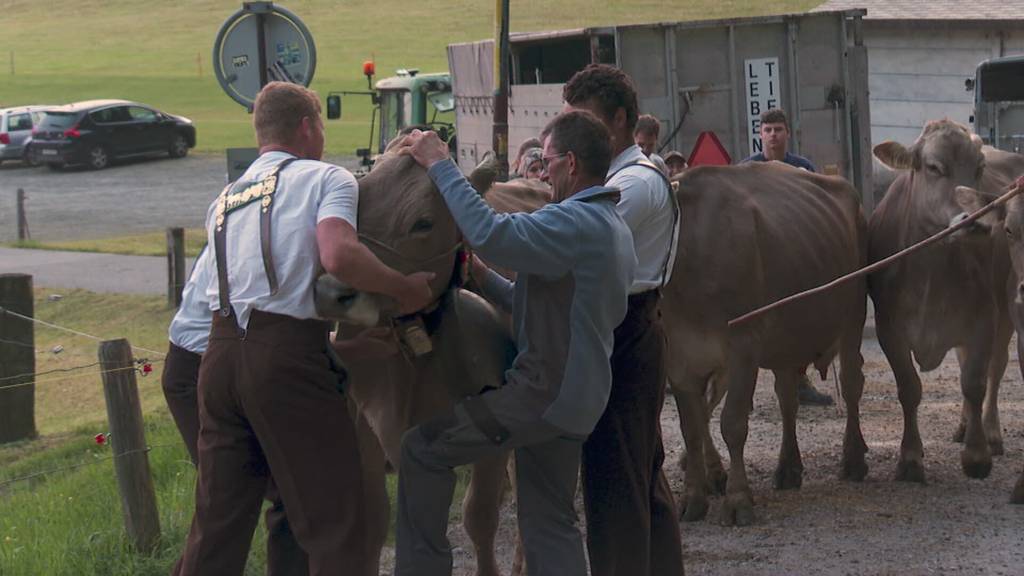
<point x="545" y="161"/>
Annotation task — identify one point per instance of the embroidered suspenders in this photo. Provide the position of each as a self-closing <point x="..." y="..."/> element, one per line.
<point x="675" y="211"/>
<point x="238" y="195"/>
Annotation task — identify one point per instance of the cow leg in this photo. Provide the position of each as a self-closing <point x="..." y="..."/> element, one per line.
<point x="378" y="507"/>
<point x="851" y="378"/>
<point x="996" y="370"/>
<point x="717" y="477"/>
<point x="481" y="510"/>
<point x="693" y="421"/>
<point x="738" y="507"/>
<point x="790" y="471"/>
<point x="975" y="458"/>
<point x="908" y="384"/>
<point x="1018" y="491"/>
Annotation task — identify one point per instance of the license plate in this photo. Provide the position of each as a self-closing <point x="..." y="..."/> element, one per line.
<point x="49" y="152"/>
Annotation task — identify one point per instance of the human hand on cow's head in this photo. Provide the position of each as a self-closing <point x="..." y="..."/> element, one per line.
<point x="416" y="293"/>
<point x="426" y="148"/>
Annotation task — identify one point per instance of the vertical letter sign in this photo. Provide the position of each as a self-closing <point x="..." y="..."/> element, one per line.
<point x="762" y="94"/>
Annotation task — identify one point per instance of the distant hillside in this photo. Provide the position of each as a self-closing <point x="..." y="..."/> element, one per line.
<point x="158" y="51"/>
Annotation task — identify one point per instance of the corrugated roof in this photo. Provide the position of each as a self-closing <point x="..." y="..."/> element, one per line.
<point x="932" y="9"/>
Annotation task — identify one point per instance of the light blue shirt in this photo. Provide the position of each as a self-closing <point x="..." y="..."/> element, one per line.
<point x="190" y="327"/>
<point x="575" y="263"/>
<point x="308" y="192"/>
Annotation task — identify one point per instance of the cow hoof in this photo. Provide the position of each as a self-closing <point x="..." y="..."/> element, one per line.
<point x="695" y="508"/>
<point x="738" y="510"/>
<point x="975" y="467"/>
<point x="853" y="469"/>
<point x="789" y="477"/>
<point x="1018" y="493"/>
<point x="910" y="471"/>
<point x="958" y="436"/>
<point x="996" y="447"/>
<point x="717" y="480"/>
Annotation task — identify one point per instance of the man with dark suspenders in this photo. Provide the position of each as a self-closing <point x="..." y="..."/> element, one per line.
<point x="632" y="525"/>
<point x="270" y="412"/>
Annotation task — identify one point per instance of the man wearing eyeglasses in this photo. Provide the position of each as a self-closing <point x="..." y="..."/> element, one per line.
<point x="632" y="526"/>
<point x="574" y="261"/>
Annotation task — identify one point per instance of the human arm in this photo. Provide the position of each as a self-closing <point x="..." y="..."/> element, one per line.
<point x="345" y="258"/>
<point x="495" y="287"/>
<point x="543" y="242"/>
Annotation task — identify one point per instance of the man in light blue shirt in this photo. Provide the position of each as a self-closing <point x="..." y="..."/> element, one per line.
<point x="574" y="261"/>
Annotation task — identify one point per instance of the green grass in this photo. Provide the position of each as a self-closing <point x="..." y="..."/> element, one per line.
<point x="159" y="52"/>
<point x="148" y="244"/>
<point x="68" y="522"/>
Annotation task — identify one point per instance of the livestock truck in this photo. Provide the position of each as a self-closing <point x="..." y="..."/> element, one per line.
<point x="695" y="77"/>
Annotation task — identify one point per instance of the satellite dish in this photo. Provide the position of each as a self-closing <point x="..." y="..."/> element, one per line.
<point x="259" y="44"/>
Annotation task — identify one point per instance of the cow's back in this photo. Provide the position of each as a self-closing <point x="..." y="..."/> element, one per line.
<point x="754" y="234"/>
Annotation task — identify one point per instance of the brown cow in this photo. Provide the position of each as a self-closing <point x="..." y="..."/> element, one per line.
<point x="405" y="222"/>
<point x="1011" y="223"/>
<point x="952" y="295"/>
<point x="750" y="235"/>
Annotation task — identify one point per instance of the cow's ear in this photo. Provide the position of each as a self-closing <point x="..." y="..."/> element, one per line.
<point x="969" y="199"/>
<point x="894" y="155"/>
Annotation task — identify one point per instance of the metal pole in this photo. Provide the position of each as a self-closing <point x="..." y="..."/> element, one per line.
<point x="501" y="53"/>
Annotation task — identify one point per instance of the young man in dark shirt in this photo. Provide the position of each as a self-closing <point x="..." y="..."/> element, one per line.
<point x="775" y="138"/>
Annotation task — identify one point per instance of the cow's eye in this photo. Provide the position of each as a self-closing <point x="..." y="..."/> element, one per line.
<point x="422" y="225"/>
<point x="935" y="168"/>
<point x="1009" y="232"/>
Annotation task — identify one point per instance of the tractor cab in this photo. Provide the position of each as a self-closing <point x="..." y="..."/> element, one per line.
<point x="406" y="99"/>
<point x="998" y="87"/>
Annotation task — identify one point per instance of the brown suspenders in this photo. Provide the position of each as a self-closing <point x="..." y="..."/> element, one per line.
<point x="235" y="196"/>
<point x="671" y="200"/>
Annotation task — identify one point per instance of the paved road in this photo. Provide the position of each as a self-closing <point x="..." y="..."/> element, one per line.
<point x="96" y="272"/>
<point x="127" y="198"/>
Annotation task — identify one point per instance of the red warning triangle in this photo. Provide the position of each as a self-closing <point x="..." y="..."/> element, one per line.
<point x="708" y="151"/>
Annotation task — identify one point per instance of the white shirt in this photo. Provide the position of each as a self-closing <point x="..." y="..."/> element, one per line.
<point x="190" y="327"/>
<point x="308" y="192"/>
<point x="647" y="209"/>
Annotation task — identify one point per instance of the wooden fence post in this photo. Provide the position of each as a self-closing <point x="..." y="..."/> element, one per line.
<point x="175" y="266"/>
<point x="23" y="233"/>
<point x="17" y="356"/>
<point x="128" y="442"/>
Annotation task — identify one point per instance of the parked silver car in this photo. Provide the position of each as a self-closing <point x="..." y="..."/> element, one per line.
<point x="16" y="131"/>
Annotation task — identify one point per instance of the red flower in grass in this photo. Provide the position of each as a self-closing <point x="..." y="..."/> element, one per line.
<point x="101" y="438"/>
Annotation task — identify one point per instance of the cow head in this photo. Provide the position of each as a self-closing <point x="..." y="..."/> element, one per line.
<point x="1010" y="218"/>
<point x="404" y="221"/>
<point x="945" y="156"/>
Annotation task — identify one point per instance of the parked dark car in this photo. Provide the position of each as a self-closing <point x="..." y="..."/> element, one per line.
<point x="97" y="131"/>
<point x="16" y="125"/>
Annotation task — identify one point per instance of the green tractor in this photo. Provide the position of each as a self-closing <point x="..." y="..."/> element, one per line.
<point x="401" y="101"/>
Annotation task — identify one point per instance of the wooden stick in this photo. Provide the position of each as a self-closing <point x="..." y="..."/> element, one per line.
<point x="1015" y="189"/>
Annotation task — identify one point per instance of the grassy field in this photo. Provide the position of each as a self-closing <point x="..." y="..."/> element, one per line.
<point x="148" y="244"/>
<point x="67" y="521"/>
<point x="159" y="52"/>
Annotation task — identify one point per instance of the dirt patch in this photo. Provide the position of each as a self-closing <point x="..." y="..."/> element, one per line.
<point x="951" y="525"/>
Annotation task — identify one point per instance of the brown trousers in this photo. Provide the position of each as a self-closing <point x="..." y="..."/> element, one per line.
<point x="632" y="525"/>
<point x="270" y="415"/>
<point x="180" y="384"/>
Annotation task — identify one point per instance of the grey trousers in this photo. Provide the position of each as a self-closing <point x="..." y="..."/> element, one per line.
<point x="547" y="468"/>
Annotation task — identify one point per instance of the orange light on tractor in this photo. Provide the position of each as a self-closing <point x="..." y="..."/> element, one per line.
<point x="369" y="68"/>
